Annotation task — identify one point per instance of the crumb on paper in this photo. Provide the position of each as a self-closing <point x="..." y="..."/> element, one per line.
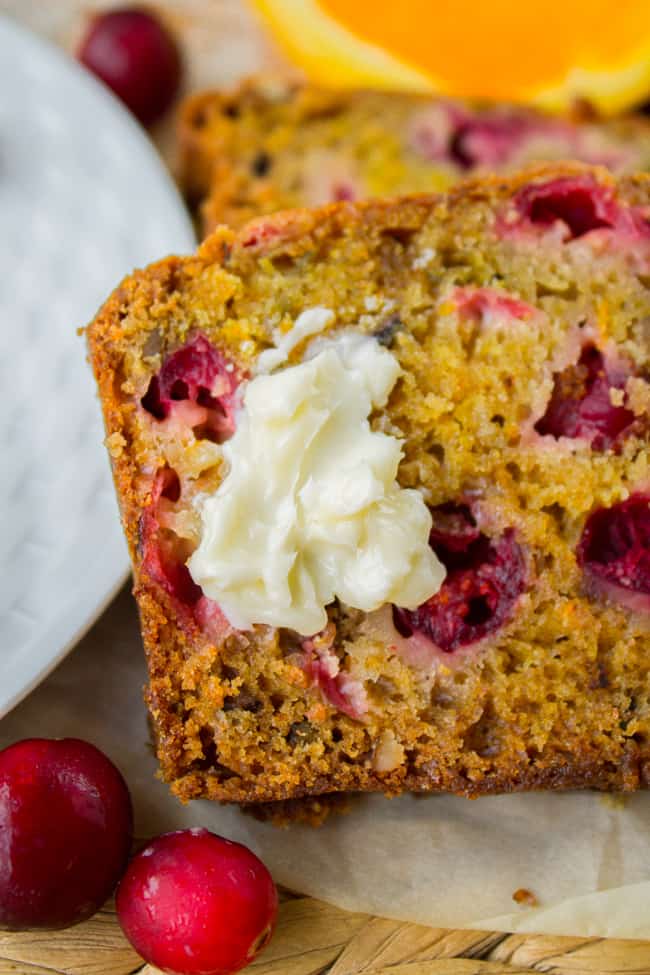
<point x="525" y="897"/>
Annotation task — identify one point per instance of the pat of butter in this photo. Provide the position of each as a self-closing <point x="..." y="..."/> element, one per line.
<point x="311" y="509"/>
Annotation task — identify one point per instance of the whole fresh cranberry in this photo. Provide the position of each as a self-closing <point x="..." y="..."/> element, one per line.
<point x="132" y="52"/>
<point x="194" y="903"/>
<point x="65" y="832"/>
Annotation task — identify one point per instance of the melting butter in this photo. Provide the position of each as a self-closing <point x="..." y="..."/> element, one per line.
<point x="310" y="508"/>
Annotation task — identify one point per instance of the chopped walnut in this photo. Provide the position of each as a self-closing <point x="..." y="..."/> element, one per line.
<point x="153" y="346"/>
<point x="389" y="754"/>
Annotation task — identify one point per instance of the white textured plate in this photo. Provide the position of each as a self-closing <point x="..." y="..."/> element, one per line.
<point x="84" y="199"/>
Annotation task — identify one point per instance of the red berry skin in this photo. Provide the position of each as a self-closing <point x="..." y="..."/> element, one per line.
<point x="614" y="551"/>
<point x="66" y="826"/>
<point x="485" y="577"/>
<point x="579" y="202"/>
<point x="133" y="53"/>
<point x="193" y="903"/>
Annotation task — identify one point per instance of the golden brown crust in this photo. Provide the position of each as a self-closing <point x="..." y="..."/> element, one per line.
<point x="159" y="296"/>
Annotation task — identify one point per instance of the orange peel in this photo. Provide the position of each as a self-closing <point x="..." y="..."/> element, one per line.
<point x="550" y="53"/>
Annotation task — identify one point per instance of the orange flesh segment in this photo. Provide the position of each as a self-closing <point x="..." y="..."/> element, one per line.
<point x="499" y="49"/>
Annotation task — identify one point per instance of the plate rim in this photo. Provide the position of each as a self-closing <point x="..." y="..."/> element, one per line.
<point x="74" y="626"/>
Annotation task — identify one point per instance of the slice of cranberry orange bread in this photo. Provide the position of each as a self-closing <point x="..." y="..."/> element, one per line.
<point x="270" y="146"/>
<point x="383" y="470"/>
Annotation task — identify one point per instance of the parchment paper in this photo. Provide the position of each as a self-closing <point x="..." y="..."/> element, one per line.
<point x="442" y="861"/>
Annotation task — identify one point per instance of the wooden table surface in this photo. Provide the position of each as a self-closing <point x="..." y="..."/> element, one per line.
<point x="313" y="938"/>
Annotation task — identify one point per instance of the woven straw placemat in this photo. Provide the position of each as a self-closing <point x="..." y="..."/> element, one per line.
<point x="313" y="938"/>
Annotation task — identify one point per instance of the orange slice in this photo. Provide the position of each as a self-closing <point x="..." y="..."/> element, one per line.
<point x="546" y="51"/>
